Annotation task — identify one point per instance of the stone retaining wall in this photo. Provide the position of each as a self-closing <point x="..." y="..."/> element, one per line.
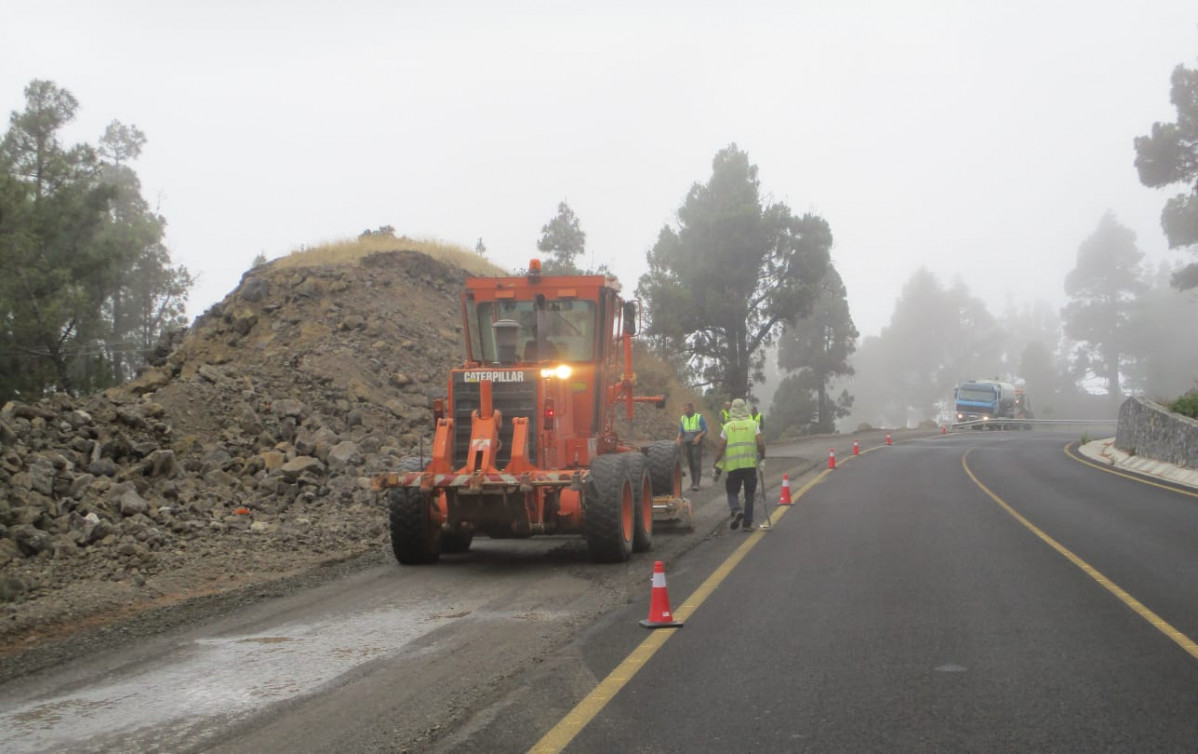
<point x="1149" y="430"/>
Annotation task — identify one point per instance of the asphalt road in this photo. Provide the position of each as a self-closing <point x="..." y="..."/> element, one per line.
<point x="900" y="606"/>
<point x="930" y="595"/>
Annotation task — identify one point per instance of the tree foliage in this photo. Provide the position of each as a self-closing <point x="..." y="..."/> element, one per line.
<point x="937" y="337"/>
<point x="1168" y="156"/>
<point x="563" y="239"/>
<point x="383" y="231"/>
<point x="793" y="409"/>
<point x="721" y="286"/>
<point x="942" y="336"/>
<point x="1103" y="289"/>
<point x="1163" y="356"/>
<point x="818" y="347"/>
<point x="88" y="285"/>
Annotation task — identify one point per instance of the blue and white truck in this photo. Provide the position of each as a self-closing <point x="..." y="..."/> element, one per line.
<point x="990" y="403"/>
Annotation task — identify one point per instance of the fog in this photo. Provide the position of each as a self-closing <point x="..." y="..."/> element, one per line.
<point x="941" y="336"/>
<point x="979" y="142"/>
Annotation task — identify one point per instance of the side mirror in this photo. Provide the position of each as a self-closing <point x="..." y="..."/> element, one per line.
<point x="630" y="314"/>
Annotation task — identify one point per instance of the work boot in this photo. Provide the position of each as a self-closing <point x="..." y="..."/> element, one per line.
<point x="736" y="517"/>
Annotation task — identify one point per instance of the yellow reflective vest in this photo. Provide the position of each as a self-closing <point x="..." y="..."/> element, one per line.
<point x="740" y="449"/>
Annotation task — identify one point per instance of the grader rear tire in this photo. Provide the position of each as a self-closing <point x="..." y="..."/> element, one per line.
<point x="642" y="500"/>
<point x="665" y="468"/>
<point x="609" y="510"/>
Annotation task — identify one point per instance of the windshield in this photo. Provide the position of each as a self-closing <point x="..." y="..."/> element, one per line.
<point x="980" y="394"/>
<point x="568" y="330"/>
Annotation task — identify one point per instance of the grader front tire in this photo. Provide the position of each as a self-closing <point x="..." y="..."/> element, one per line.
<point x="609" y="513"/>
<point x="415" y="536"/>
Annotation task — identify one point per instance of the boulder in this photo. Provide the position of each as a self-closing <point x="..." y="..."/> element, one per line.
<point x="132" y="504"/>
<point x="211" y="374"/>
<point x="30" y="540"/>
<point x="343" y="455"/>
<point x="102" y="467"/>
<point x="291" y="407"/>
<point x="301" y="465"/>
<point x="358" y="390"/>
<point x="162" y="464"/>
<point x="243" y="320"/>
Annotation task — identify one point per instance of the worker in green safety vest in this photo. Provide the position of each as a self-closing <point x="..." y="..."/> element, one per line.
<point x="692" y="428"/>
<point x="742" y="449"/>
<point x="758" y="417"/>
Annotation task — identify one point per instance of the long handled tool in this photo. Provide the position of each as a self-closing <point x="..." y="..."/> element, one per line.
<point x="765" y="509"/>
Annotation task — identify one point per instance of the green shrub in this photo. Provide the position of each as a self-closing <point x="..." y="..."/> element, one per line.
<point x="1186" y="405"/>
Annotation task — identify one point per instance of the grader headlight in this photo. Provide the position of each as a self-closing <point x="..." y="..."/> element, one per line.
<point x="561" y="371"/>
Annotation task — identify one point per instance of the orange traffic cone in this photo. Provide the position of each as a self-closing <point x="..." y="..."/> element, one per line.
<point x="887" y="438"/>
<point x="831" y="458"/>
<point x="785" y="499"/>
<point x="856" y="450"/>
<point x="943" y="430"/>
<point x="659" y="602"/>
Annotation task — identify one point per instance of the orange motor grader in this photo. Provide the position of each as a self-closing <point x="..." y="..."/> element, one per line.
<point x="525" y="441"/>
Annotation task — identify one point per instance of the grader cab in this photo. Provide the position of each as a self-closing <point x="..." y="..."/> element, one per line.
<point x="525" y="441"/>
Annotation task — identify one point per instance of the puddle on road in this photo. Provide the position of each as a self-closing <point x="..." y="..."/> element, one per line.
<point x="229" y="676"/>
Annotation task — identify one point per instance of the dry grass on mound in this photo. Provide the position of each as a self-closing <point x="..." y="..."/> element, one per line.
<point x="352" y="250"/>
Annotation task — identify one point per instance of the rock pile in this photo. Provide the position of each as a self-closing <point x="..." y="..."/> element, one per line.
<point x="254" y="433"/>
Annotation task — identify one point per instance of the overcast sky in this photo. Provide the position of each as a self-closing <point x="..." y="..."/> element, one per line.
<point x="982" y="140"/>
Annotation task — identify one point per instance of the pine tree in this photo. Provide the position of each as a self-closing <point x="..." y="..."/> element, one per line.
<point x="721" y="286"/>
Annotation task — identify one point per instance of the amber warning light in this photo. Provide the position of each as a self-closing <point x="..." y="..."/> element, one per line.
<point x="561" y="371"/>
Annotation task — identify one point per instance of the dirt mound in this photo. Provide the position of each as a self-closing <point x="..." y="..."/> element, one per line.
<point x="243" y="454"/>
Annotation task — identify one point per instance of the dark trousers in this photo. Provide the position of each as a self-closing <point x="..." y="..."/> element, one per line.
<point x="694" y="460"/>
<point x="732" y="485"/>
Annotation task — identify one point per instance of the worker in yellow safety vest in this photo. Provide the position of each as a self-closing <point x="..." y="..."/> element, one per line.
<point x="692" y="428"/>
<point x="758" y="417"/>
<point x="742" y="450"/>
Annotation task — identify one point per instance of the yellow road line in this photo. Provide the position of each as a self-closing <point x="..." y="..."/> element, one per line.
<point x="1157" y="622"/>
<point x="593" y="703"/>
<point x="1132" y="477"/>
